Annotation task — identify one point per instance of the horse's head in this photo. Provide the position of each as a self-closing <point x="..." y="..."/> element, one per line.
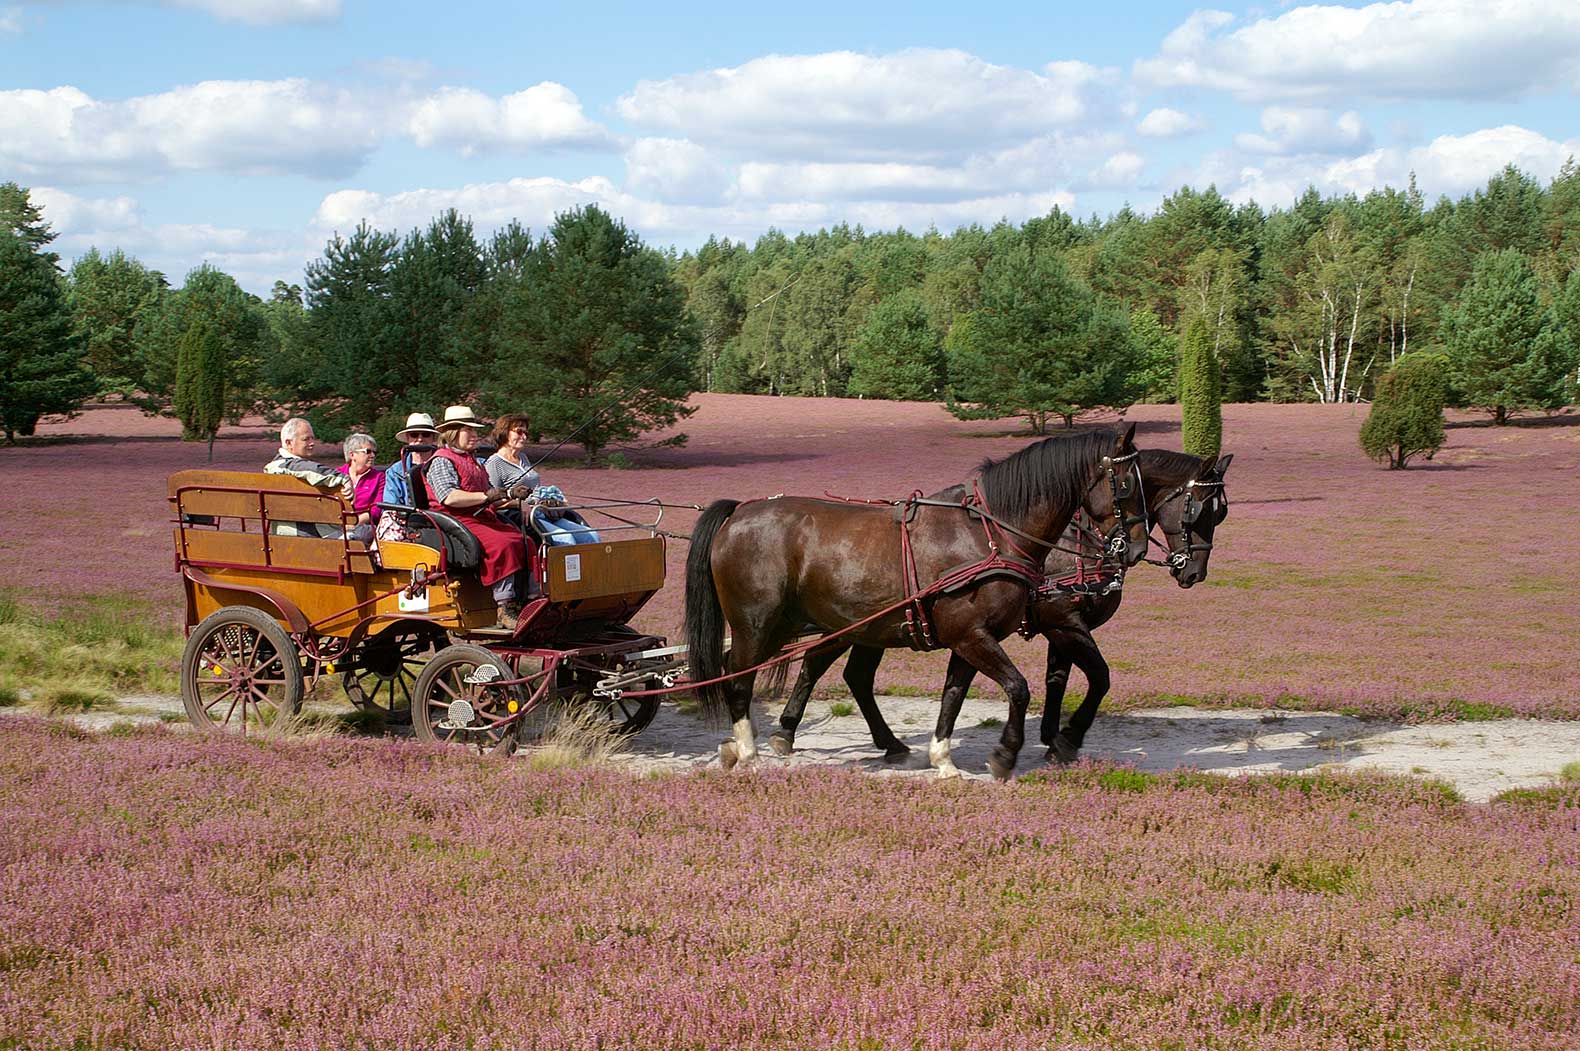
<point x="1188" y="516"/>
<point x="1117" y="500"/>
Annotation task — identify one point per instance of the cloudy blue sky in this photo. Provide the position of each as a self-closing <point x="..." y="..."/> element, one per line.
<point x="246" y="132"/>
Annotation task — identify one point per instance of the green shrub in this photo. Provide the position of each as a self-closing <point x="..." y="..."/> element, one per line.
<point x="1201" y="411"/>
<point x="1406" y="419"/>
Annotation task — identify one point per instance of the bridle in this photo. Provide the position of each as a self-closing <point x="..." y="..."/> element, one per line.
<point x="1202" y="496"/>
<point x="1122" y="487"/>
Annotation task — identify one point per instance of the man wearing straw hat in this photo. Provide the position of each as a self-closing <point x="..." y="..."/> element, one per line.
<point x="458" y="483"/>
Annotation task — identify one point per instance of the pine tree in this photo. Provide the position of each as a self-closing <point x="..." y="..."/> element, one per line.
<point x="41" y="369"/>
<point x="896" y="354"/>
<point x="199" y="401"/>
<point x="1503" y="350"/>
<point x="1040" y="346"/>
<point x="1201" y="414"/>
<point x="595" y="339"/>
<point x="110" y="295"/>
<point x="1158" y="350"/>
<point x="1406" y="417"/>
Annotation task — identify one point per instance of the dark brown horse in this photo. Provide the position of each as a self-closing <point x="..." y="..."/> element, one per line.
<point x="768" y="568"/>
<point x="1187" y="501"/>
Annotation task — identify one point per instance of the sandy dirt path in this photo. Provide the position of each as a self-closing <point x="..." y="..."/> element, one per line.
<point x="1480" y="759"/>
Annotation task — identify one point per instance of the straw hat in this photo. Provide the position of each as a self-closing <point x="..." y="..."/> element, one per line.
<point x="417" y="423"/>
<point x="461" y="416"/>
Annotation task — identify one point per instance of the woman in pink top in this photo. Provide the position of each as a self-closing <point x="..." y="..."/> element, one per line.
<point x="367" y="481"/>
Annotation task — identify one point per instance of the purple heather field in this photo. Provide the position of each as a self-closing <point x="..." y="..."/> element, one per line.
<point x="1336" y="584"/>
<point x="161" y="890"/>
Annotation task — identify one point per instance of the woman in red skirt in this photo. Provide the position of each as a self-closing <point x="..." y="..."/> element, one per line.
<point x="458" y="482"/>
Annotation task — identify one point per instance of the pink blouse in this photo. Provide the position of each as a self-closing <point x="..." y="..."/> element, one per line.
<point x="369" y="491"/>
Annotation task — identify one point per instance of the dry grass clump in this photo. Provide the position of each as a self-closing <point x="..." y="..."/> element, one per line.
<point x="572" y="736"/>
<point x="81" y="656"/>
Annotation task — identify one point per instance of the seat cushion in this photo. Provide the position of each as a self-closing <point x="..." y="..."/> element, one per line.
<point x="436" y="529"/>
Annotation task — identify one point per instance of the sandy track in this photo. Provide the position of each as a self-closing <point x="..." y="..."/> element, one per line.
<point x="1480" y="759"/>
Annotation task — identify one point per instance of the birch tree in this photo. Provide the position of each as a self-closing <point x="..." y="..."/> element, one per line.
<point x="1333" y="294"/>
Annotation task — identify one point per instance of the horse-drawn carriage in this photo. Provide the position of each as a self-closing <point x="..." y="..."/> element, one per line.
<point x="272" y="607"/>
<point x="410" y="628"/>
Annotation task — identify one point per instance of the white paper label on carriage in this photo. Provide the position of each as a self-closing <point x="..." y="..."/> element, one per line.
<point x="416" y="604"/>
<point x="573" y="568"/>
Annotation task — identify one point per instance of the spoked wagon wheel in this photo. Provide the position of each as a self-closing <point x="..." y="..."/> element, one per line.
<point x="447" y="709"/>
<point x="384" y="670"/>
<point x="628" y="715"/>
<point x="240" y="673"/>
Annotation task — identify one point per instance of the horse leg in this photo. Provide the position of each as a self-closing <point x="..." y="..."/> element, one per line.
<point x="760" y="645"/>
<point x="956" y="681"/>
<point x="1082" y="649"/>
<point x="741" y="746"/>
<point x="984" y="652"/>
<point x="860" y="673"/>
<point x="812" y="668"/>
<point x="1053" y="698"/>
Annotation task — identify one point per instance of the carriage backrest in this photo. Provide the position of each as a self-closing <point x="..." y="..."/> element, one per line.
<point x="225" y="518"/>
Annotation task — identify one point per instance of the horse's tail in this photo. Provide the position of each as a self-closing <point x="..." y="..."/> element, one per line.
<point x="704" y="615"/>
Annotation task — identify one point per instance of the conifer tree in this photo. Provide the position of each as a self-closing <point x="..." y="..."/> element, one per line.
<point x="1406" y="417"/>
<point x="1201" y="414"/>
<point x="896" y="354"/>
<point x="41" y="369"/>
<point x="1503" y="349"/>
<point x="200" y="384"/>
<point x="1040" y="346"/>
<point x="596" y="336"/>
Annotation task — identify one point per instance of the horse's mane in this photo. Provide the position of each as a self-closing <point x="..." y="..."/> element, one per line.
<point x="1053" y="469"/>
<point x="1169" y="462"/>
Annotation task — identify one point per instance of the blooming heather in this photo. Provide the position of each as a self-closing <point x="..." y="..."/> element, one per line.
<point x="163" y="890"/>
<point x="1335" y="584"/>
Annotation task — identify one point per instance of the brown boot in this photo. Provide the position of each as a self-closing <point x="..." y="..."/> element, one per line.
<point x="509" y="615"/>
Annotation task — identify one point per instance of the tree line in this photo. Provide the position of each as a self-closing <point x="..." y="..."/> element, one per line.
<point x="1200" y="300"/>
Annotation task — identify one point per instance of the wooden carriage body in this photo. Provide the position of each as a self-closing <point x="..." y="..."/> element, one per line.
<point x="276" y="545"/>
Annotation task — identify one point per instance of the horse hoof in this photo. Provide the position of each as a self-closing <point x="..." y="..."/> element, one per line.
<point x="950" y="771"/>
<point x="897" y="752"/>
<point x="781" y="745"/>
<point x="1062" y="751"/>
<point x="729" y="755"/>
<point x="1002" y="764"/>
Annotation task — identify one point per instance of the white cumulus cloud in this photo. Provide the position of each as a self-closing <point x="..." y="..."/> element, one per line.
<point x="1292" y="130"/>
<point x="546" y="114"/>
<point x="264" y="12"/>
<point x="535" y="202"/>
<point x="922" y="103"/>
<point x="1454" y="165"/>
<point x="1404" y="49"/>
<point x="255" y="258"/>
<point x="675" y="170"/>
<point x="1165" y="123"/>
<point x="244" y="126"/>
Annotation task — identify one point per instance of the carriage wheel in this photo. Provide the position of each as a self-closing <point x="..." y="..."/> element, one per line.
<point x="629" y="715"/>
<point x="442" y="683"/>
<point x="624" y="716"/>
<point x="384" y="671"/>
<point x="240" y="673"/>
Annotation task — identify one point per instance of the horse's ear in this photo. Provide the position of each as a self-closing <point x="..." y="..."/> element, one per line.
<point x="1223" y="464"/>
<point x="1207" y="468"/>
<point x="1127" y="441"/>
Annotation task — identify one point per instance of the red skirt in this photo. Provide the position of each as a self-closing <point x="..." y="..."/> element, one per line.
<point x="504" y="548"/>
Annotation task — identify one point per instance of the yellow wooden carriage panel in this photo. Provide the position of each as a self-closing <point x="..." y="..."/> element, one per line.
<point x="613" y="568"/>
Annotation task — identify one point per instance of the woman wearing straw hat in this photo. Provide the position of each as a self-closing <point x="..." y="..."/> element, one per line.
<point x="458" y="482"/>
